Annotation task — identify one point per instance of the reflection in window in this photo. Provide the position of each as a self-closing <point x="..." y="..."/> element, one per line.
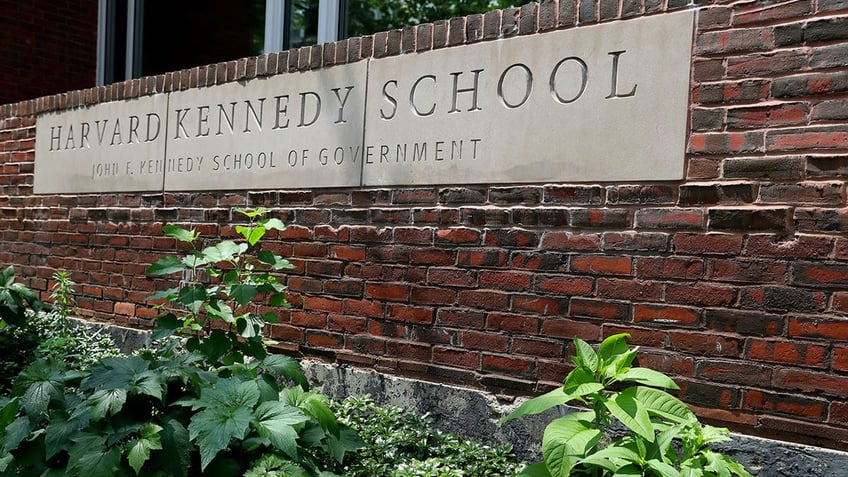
<point x="364" y="17"/>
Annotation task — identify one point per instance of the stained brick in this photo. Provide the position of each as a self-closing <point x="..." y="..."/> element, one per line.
<point x="777" y="168"/>
<point x="666" y="315"/>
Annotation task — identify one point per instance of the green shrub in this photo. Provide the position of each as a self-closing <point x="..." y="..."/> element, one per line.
<point x="48" y="334"/>
<point x="400" y="443"/>
<point x="221" y="407"/>
<point x="665" y="438"/>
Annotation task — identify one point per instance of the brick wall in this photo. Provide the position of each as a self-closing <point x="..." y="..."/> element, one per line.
<point x="46" y="47"/>
<point x="734" y="280"/>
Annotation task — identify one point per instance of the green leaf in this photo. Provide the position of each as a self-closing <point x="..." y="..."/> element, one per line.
<point x="217" y="344"/>
<point x="176" y="449"/>
<point x="223" y="251"/>
<point x="632" y="413"/>
<point x="242" y="293"/>
<point x="168" y="294"/>
<point x="180" y="233"/>
<point x="586" y="356"/>
<point x="220" y="310"/>
<point x="579" y="376"/>
<point x="275" y="261"/>
<point x="166" y="265"/>
<point x="286" y="367"/>
<point x="314" y="405"/>
<point x="40" y="382"/>
<point x="106" y="402"/>
<point x="613" y="346"/>
<point x="61" y="429"/>
<point x="648" y="377"/>
<point x="663" y="404"/>
<point x="91" y="458"/>
<point x="611" y="458"/>
<point x="662" y="469"/>
<point x="539" y="469"/>
<point x="139" y="449"/>
<point x="272" y="224"/>
<point x="275" y="421"/>
<point x="566" y="440"/>
<point x="252" y="213"/>
<point x="192" y="297"/>
<point x="538" y="404"/>
<point x="166" y="325"/>
<point x="5" y="460"/>
<point x="213" y="428"/>
<point x="252" y="234"/>
<point x="15" y="433"/>
<point x="347" y="441"/>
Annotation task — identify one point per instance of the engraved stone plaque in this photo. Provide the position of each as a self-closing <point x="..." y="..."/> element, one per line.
<point x="104" y="148"/>
<point x="598" y="103"/>
<point x="288" y="131"/>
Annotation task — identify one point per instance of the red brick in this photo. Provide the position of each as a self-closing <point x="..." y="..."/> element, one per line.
<point x="568" y="241"/>
<point x="505" y="280"/>
<point x="637" y="290"/>
<point x="839" y="302"/>
<point x="322" y="304"/>
<point x="705" y="344"/>
<point x="603" y="309"/>
<point x="759" y="117"/>
<point x="411" y="314"/>
<point x="347" y="324"/>
<point x="460" y="318"/>
<point x="458" y="236"/>
<point x="513" y="323"/>
<point x="701" y="294"/>
<point x="670" y="218"/>
<point x="484" y="341"/>
<point x="483" y="299"/>
<point x="667" y="363"/>
<point x="563" y="285"/>
<point x="431" y="296"/>
<point x="456" y="357"/>
<point x="452" y="277"/>
<point x="387" y="291"/>
<point x="787" y="352"/>
<point x="539" y="305"/>
<point x="523" y="367"/>
<point x="602" y="265"/>
<point x="511" y="238"/>
<point x="747" y="271"/>
<point x="408" y="350"/>
<point x="569" y="329"/>
<point x="820" y="275"/>
<point x="537" y="347"/>
<point x="482" y="258"/>
<point x="831" y="329"/>
<point x="734" y="372"/>
<point x="798" y="246"/>
<point x="671" y="267"/>
<point x="707" y="244"/>
<point x="309" y="319"/>
<point x="811" y="382"/>
<point x="666" y="315"/>
<point x="372" y="309"/>
<point x="783" y="404"/>
<point x="431" y="256"/>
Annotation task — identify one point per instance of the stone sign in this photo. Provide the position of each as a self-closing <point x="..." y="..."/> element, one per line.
<point x="600" y="103"/>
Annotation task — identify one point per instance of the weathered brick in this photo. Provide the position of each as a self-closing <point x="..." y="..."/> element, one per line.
<point x="747" y="271"/>
<point x="784" y="404"/>
<point x="563" y="285"/>
<point x="827" y="167"/>
<point x="717" y="193"/>
<point x="666" y="315"/>
<point x="746" y="323"/>
<point x="829" y="329"/>
<point x="513" y="323"/>
<point x="820" y="275"/>
<point x="602" y="309"/>
<point x="782" y="299"/>
<point x="640" y="194"/>
<point x="785" y="352"/>
<point x="760" y="219"/>
<point x="734" y="372"/>
<point x="636" y="241"/>
<point x="725" y="143"/>
<point x="670" y="218"/>
<point x="809" y="84"/>
<point x="601" y="265"/>
<point x="670" y="268"/>
<point x="811" y="382"/>
<point x="821" y="220"/>
<point x="779" y="168"/>
<point x="748" y="14"/>
<point x="757" y="117"/>
<point x="622" y="289"/>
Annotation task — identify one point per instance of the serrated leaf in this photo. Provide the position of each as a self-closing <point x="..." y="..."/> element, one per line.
<point x="192" y="297"/>
<point x="115" y="372"/>
<point x="166" y="325"/>
<point x="286" y="367"/>
<point x="89" y="456"/>
<point x="42" y="381"/>
<point x="213" y="428"/>
<point x="275" y="421"/>
<point x="242" y="293"/>
<point x="139" y="449"/>
<point x="61" y="429"/>
<point x="632" y="413"/>
<point x="166" y="265"/>
<point x="586" y="356"/>
<point x="176" y="448"/>
<point x="194" y="260"/>
<point x="180" y="233"/>
<point x="538" y="404"/>
<point x="15" y="433"/>
<point x="648" y="377"/>
<point x="216" y="345"/>
<point x="347" y="441"/>
<point x="106" y="402"/>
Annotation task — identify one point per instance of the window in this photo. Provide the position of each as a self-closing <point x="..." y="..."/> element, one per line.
<point x="148" y="37"/>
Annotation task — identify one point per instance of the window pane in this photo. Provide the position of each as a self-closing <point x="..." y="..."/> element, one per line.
<point x="364" y="17"/>
<point x="302" y="23"/>
<point x="181" y="34"/>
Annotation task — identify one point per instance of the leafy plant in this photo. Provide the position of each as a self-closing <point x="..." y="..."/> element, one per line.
<point x="62" y="294"/>
<point x="206" y="410"/>
<point x="665" y="438"/>
<point x="17" y="301"/>
<point x="239" y="273"/>
<point x="400" y="443"/>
